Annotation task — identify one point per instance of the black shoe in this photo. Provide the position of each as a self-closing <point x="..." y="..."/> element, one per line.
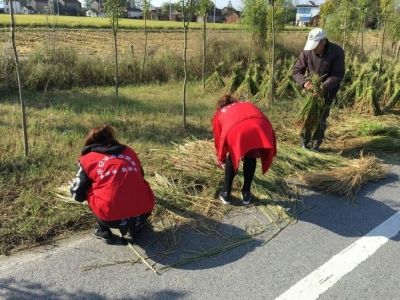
<point x="305" y="144"/>
<point x="246" y="196"/>
<point x="123" y="230"/>
<point x="224" y="197"/>
<point x="316" y="145"/>
<point x="105" y="235"/>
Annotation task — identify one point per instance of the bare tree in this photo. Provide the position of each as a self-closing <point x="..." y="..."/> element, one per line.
<point x="204" y="6"/>
<point x="272" y="51"/>
<point x="114" y="11"/>
<point x="24" y="126"/>
<point x="187" y="12"/>
<point x="146" y="8"/>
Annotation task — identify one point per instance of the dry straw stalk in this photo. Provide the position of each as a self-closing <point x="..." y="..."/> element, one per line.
<point x="347" y="180"/>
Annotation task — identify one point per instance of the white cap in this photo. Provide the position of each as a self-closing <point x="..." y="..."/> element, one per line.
<point x="314" y="37"/>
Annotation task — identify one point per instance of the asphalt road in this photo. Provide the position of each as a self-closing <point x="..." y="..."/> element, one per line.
<point x="76" y="268"/>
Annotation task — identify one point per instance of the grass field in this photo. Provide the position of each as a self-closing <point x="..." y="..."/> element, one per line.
<point x="98" y="41"/>
<point x="87" y="22"/>
<point x="149" y="119"/>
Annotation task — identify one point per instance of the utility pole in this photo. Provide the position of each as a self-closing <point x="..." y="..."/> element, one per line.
<point x="170" y="11"/>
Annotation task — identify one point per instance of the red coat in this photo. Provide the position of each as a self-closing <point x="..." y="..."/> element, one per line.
<point x="118" y="189"/>
<point x="241" y="128"/>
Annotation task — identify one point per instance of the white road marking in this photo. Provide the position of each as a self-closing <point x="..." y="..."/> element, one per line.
<point x="319" y="281"/>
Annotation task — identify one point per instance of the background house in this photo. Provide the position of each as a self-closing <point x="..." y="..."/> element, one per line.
<point x="306" y="12"/>
<point x="67" y="7"/>
<point x="95" y="9"/>
<point x="28" y="10"/>
<point x="134" y="13"/>
<point x="40" y="6"/>
<point x="232" y="17"/>
<point x="5" y="7"/>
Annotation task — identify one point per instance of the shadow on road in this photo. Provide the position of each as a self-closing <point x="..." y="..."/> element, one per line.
<point x="187" y="248"/>
<point x="29" y="290"/>
<point x="353" y="219"/>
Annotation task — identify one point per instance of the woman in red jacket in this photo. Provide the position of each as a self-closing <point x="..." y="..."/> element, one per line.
<point x="111" y="179"/>
<point x="241" y="132"/>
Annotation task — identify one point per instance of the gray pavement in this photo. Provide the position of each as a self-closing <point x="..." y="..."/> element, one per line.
<point x="327" y="225"/>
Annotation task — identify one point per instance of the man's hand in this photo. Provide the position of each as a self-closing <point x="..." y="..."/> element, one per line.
<point x="308" y="85"/>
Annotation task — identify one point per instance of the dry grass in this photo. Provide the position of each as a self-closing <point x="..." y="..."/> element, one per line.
<point x="99" y="42"/>
<point x="347" y="180"/>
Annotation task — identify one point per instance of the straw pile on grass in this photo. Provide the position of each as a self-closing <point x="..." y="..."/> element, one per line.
<point x="214" y="82"/>
<point x="347" y="180"/>
<point x="186" y="186"/>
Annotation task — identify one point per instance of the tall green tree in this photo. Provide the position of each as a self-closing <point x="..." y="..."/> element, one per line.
<point x="386" y="11"/>
<point x="394" y="28"/>
<point x="255" y="18"/>
<point x="16" y="61"/>
<point x="114" y="10"/>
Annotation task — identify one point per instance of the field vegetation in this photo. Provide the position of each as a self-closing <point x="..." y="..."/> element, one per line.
<point x="66" y="82"/>
<point x="35" y="21"/>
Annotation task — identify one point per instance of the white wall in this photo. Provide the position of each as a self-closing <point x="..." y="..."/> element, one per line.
<point x="16" y="6"/>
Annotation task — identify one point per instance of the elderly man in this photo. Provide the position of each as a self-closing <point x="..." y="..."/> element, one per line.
<point x="326" y="59"/>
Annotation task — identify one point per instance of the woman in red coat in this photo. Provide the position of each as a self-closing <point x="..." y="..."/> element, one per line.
<point x="111" y="179"/>
<point x="241" y="132"/>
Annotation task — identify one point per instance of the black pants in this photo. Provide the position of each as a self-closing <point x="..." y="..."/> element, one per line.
<point x="133" y="224"/>
<point x="249" y="168"/>
<point x="319" y="133"/>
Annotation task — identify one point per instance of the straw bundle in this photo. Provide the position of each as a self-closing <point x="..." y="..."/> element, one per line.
<point x="313" y="107"/>
<point x="214" y="82"/>
<point x="191" y="156"/>
<point x="347" y="180"/>
<point x="235" y="81"/>
<point x="248" y="88"/>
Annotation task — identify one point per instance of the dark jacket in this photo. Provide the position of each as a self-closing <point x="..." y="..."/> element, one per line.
<point x="329" y="66"/>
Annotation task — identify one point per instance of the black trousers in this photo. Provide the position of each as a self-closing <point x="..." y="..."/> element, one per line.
<point x="133" y="224"/>
<point x="319" y="133"/>
<point x="249" y="168"/>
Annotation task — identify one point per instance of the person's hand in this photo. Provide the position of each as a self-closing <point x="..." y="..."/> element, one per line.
<point x="308" y="85"/>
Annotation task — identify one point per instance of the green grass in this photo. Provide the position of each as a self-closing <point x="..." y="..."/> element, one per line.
<point x="88" y="22"/>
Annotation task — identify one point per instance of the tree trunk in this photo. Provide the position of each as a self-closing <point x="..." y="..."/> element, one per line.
<point x="381" y="52"/>
<point x="145" y="42"/>
<point x="185" y="29"/>
<point x="362" y="37"/>
<point x="203" y="75"/>
<point x="251" y="48"/>
<point x="272" y="53"/>
<point x="344" y="35"/>
<point x="116" y="62"/>
<point x="377" y="35"/>
<point x="353" y="50"/>
<point x="24" y="126"/>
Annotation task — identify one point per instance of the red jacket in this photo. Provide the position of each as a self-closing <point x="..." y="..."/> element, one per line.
<point x="118" y="188"/>
<point x="241" y="128"/>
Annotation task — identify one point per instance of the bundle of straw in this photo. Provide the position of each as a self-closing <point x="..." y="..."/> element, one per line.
<point x="309" y="116"/>
<point x="347" y="180"/>
<point x="194" y="156"/>
<point x="248" y="88"/>
<point x="214" y="82"/>
<point x="236" y="80"/>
